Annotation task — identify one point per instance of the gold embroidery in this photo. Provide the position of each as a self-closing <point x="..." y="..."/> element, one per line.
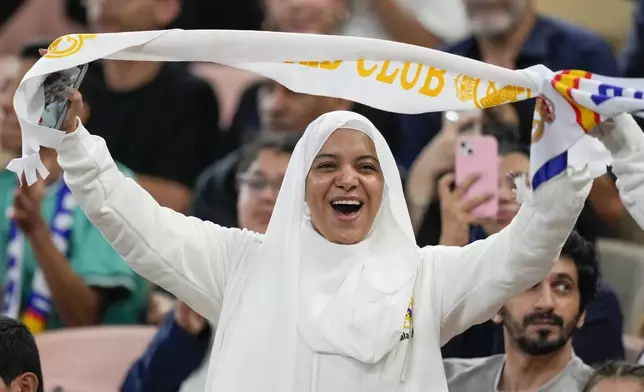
<point x="67" y="45"/>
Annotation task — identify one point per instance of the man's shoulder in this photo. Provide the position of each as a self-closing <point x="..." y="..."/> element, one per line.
<point x="571" y="32"/>
<point x="218" y="177"/>
<point x="580" y="371"/>
<point x="459" y="367"/>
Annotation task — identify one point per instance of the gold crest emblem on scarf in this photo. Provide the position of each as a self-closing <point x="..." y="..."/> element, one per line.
<point x="67" y="45"/>
<point x="544" y="114"/>
<point x="467" y="90"/>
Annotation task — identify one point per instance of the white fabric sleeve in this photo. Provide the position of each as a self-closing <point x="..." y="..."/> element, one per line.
<point x="188" y="257"/>
<point x="625" y="141"/>
<point x="472" y="283"/>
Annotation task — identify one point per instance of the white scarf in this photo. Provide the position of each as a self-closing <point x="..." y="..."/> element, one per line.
<point x="345" y="300"/>
<point x="386" y="75"/>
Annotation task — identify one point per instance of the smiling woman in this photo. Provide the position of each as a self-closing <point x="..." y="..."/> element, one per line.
<point x="323" y="301"/>
<point x="344" y="187"/>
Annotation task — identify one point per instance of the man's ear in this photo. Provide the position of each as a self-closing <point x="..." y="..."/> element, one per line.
<point x="26" y="382"/>
<point x="498" y="317"/>
<point x="582" y="320"/>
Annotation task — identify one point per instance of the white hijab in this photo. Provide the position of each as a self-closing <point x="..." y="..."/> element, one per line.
<point x="348" y="300"/>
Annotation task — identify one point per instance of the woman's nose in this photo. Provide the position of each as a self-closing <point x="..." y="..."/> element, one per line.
<point x="347" y="179"/>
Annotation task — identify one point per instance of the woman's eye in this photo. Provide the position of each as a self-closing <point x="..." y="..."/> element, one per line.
<point x="368" y="167"/>
<point x="325" y="165"/>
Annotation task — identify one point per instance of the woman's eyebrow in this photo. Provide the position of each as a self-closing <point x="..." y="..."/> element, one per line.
<point x="368" y="156"/>
<point x="326" y="155"/>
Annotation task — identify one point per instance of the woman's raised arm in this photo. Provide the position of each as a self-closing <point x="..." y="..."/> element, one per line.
<point x="186" y="256"/>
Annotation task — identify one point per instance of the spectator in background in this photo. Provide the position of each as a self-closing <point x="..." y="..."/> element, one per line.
<point x="599" y="218"/>
<point x="19" y="358"/>
<point x="279" y="110"/>
<point x="425" y="23"/>
<point x="538" y="326"/>
<point x="22" y="21"/>
<point x="74" y="278"/>
<point x="197" y="14"/>
<point x="305" y="16"/>
<point x="156" y="118"/>
<point x="632" y="62"/>
<point x="182" y="343"/>
<point x="510" y="34"/>
<point x="600" y="337"/>
<point x="617" y="377"/>
<point x="301" y="16"/>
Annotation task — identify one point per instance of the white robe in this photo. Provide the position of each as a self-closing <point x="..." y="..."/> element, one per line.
<point x="197" y="261"/>
<point x="626" y="145"/>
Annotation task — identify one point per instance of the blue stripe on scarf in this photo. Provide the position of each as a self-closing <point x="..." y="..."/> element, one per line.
<point x="550" y="169"/>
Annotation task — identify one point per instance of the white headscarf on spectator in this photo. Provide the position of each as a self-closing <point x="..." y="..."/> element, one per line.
<point x="349" y="300"/>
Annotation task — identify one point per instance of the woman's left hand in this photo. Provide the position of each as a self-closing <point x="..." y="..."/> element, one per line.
<point x="70" y="123"/>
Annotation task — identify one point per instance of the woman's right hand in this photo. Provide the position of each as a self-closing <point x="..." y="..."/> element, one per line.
<point x="456" y="217"/>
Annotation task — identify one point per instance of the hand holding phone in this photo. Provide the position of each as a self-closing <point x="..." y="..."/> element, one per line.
<point x="477" y="155"/>
<point x="62" y="98"/>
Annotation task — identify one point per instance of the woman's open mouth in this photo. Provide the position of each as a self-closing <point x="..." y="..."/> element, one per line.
<point x="346" y="210"/>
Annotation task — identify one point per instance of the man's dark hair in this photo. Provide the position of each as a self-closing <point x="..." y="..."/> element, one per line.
<point x="511" y="146"/>
<point x="18" y="352"/>
<point x="30" y="50"/>
<point x="494" y="125"/>
<point x="281" y="141"/>
<point x="584" y="255"/>
<point x="616" y="370"/>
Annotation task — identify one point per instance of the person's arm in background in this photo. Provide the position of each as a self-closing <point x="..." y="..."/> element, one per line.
<point x="76" y="303"/>
<point x="403" y="26"/>
<point x="632" y="61"/>
<point x="435" y="159"/>
<point x="625" y="141"/>
<point x="456" y="218"/>
<point x="176" y="351"/>
<point x="183" y="155"/>
<point x="472" y="283"/>
<point x="426" y="23"/>
<point x="421" y="186"/>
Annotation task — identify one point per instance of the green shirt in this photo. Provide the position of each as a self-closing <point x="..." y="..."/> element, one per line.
<point x="90" y="255"/>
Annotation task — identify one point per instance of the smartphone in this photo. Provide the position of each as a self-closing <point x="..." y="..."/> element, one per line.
<point x="57" y="89"/>
<point x="478" y="154"/>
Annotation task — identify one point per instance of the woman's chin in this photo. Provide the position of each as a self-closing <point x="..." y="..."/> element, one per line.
<point x="345" y="236"/>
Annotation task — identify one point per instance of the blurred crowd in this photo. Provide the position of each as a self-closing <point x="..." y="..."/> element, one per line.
<point x="214" y="142"/>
